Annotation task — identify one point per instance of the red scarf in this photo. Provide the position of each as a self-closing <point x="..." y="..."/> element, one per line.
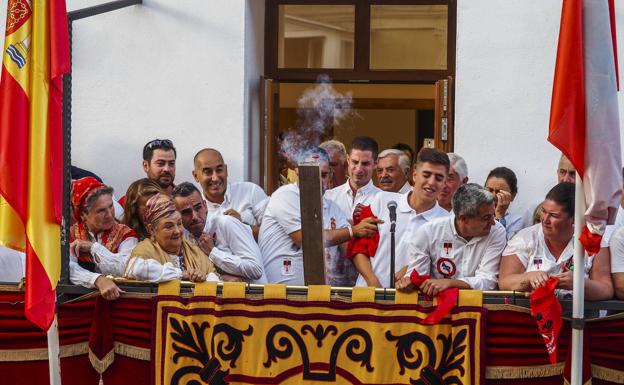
<point x="547" y="312"/>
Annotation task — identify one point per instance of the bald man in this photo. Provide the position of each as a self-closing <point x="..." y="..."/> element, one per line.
<point x="245" y="201"/>
<point x="565" y="170"/>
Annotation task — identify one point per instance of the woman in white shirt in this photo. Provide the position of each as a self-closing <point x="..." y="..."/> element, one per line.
<point x="546" y="249"/>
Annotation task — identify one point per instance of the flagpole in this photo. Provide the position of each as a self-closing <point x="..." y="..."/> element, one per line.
<point x="54" y="362"/>
<point x="578" y="285"/>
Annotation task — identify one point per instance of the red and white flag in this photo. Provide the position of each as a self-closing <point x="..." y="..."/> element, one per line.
<point x="584" y="120"/>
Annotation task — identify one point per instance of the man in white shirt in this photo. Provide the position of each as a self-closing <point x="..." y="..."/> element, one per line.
<point x="457" y="176"/>
<point x="462" y="250"/>
<point x="393" y="171"/>
<point x="413" y="210"/>
<point x="228" y="243"/>
<point x="280" y="232"/>
<point x="358" y="190"/>
<point x="243" y="200"/>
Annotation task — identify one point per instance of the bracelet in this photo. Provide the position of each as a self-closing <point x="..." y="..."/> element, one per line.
<point x="350" y="232"/>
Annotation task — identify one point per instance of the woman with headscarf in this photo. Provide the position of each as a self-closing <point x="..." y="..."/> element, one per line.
<point x="136" y="197"/>
<point x="99" y="246"/>
<point x="166" y="255"/>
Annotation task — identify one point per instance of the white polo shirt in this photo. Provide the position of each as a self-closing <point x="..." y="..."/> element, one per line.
<point x="246" y="198"/>
<point x="345" y="199"/>
<point x="619" y="219"/>
<point x="235" y="250"/>
<point x="437" y="249"/>
<point x="616" y="247"/>
<point x="406" y="222"/>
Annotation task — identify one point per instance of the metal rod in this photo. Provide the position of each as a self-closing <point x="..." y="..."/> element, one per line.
<point x="101" y="8"/>
<point x="578" y="285"/>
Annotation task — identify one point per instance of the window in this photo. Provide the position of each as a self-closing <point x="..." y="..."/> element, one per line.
<point x="362" y="40"/>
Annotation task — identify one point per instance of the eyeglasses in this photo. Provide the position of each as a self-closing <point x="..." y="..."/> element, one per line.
<point x="159" y="143"/>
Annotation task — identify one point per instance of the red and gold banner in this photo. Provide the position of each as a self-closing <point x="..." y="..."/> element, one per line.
<point x="35" y="56"/>
<point x="233" y="339"/>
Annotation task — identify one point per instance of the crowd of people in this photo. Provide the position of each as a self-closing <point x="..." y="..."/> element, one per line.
<point x="423" y="210"/>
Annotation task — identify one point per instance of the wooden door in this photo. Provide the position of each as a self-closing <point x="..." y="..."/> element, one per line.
<point x="269" y="164"/>
<point x="443" y="114"/>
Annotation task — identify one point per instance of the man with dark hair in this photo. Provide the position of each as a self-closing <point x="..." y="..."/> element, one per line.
<point x="462" y="250"/>
<point x="159" y="163"/>
<point x="244" y="201"/>
<point x="407" y="150"/>
<point x="412" y="211"/>
<point x="228" y="243"/>
<point x="358" y="190"/>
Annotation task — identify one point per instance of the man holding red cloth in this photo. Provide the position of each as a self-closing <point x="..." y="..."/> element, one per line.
<point x="413" y="210"/>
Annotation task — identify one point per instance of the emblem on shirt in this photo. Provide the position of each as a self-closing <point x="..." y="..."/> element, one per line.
<point x="446" y="267"/>
<point x="537" y="262"/>
<point x="447" y="246"/>
<point x="287" y="267"/>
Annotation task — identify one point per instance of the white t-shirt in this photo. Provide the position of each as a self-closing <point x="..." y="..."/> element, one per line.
<point x="246" y="198"/>
<point x="407" y="222"/>
<point x="616" y="246"/>
<point x="619" y="219"/>
<point x="437" y="249"/>
<point x="283" y="260"/>
<point x="344" y="198"/>
<point x="530" y="247"/>
<point x="236" y="251"/>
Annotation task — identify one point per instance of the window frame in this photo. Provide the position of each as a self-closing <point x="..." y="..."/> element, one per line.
<point x="361" y="70"/>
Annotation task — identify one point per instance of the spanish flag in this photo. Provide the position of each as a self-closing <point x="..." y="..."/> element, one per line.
<point x="35" y="56"/>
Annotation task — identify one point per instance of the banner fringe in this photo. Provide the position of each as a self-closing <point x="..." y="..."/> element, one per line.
<point x="100" y="365"/>
<point x="130" y="351"/>
<point x="515" y="372"/>
<point x="607" y="374"/>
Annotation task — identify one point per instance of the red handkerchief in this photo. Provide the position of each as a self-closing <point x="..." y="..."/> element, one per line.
<point x="547" y="312"/>
<point x="590" y="241"/>
<point x="367" y="246"/>
<point x="446" y="299"/>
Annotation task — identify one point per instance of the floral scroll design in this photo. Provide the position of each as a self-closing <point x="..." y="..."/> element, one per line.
<point x="359" y="348"/>
<point x="451" y="358"/>
<point x="190" y="342"/>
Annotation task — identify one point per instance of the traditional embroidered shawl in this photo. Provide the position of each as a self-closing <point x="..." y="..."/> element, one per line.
<point x="111" y="239"/>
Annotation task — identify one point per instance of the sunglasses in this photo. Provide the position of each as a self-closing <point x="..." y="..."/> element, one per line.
<point x="159" y="143"/>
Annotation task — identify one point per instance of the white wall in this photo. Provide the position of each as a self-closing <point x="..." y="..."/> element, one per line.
<point x="164" y="69"/>
<point x="505" y="66"/>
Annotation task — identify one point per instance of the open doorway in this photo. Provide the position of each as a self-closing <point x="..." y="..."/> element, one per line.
<point x="415" y="114"/>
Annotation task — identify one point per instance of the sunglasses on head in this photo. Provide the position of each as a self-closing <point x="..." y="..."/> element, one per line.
<point x="159" y="143"/>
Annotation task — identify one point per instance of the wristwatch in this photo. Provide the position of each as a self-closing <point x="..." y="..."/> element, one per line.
<point x="502" y="221"/>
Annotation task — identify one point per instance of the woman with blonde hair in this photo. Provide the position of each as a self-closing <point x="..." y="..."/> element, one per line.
<point x="139" y="192"/>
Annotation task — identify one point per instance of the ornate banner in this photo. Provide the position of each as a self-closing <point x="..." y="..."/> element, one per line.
<point x="237" y="339"/>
